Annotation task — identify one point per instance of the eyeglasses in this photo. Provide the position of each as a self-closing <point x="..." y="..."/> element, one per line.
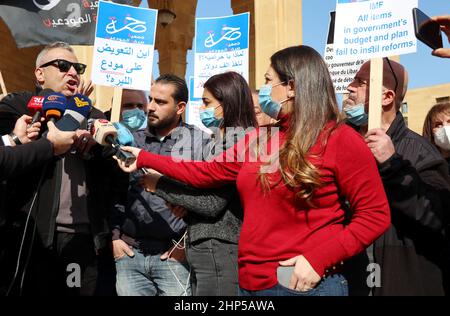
<point x="64" y="65"/>
<point x="393" y="74"/>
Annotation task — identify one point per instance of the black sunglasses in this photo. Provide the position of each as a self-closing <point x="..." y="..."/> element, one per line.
<point x="64" y="65"/>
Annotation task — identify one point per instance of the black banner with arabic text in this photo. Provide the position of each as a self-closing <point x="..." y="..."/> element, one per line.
<point x="40" y="22"/>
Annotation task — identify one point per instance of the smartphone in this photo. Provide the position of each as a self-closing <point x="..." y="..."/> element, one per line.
<point x="284" y="275"/>
<point x="427" y="30"/>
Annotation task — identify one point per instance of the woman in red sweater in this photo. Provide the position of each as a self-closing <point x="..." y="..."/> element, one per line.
<point x="293" y="202"/>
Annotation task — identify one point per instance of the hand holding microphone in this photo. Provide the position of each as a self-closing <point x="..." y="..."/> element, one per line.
<point x="131" y="167"/>
<point x="35" y="105"/>
<point x="61" y="141"/>
<point x="25" y="132"/>
<point x="75" y="112"/>
<point x="105" y="134"/>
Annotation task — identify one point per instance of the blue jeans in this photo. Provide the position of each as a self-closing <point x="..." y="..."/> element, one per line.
<point x="335" y="285"/>
<point x="148" y="275"/>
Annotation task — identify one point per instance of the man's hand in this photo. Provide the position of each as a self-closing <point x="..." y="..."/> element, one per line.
<point x="121" y="249"/>
<point x="133" y="166"/>
<point x="304" y="277"/>
<point x="177" y="211"/>
<point x="84" y="142"/>
<point x="85" y="87"/>
<point x="150" y="180"/>
<point x="444" y="22"/>
<point x="175" y="253"/>
<point x="23" y="132"/>
<point x="62" y="141"/>
<point x="380" y="144"/>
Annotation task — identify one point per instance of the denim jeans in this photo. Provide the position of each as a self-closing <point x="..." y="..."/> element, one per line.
<point x="334" y="285"/>
<point x="148" y="275"/>
<point x="214" y="268"/>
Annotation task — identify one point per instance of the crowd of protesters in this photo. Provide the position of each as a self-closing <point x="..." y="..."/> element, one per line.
<point x="278" y="200"/>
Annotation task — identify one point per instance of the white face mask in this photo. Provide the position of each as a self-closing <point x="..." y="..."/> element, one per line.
<point x="442" y="138"/>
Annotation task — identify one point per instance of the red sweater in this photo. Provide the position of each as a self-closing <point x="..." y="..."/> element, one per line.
<point x="278" y="226"/>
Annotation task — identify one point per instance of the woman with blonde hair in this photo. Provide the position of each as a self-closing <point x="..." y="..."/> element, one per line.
<point x="294" y="221"/>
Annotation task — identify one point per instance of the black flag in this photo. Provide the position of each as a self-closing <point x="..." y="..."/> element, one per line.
<point x="40" y="22"/>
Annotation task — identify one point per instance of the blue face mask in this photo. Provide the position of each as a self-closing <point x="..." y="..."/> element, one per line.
<point x="209" y="118"/>
<point x="268" y="105"/>
<point x="357" y="115"/>
<point x="134" y="119"/>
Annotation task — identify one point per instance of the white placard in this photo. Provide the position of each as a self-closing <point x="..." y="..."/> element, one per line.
<point x="221" y="45"/>
<point x="368" y="29"/>
<point x="124" y="46"/>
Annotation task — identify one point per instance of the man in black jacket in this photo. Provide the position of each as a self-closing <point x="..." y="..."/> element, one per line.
<point x="19" y="159"/>
<point x="59" y="207"/>
<point x="412" y="254"/>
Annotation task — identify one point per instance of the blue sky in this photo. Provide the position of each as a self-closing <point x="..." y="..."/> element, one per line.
<point x="424" y="69"/>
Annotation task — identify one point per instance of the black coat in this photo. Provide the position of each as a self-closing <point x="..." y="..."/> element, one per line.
<point x="20" y="159"/>
<point x="413" y="253"/>
<point x="20" y="190"/>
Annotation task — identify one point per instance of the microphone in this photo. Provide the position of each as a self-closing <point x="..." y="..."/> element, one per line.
<point x="79" y="105"/>
<point x="124" y="136"/>
<point x="105" y="134"/>
<point x="54" y="106"/>
<point x="35" y="104"/>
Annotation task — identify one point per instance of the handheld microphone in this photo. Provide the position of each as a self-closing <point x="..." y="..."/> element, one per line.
<point x="54" y="106"/>
<point x="79" y="105"/>
<point x="105" y="134"/>
<point x="35" y="104"/>
<point x="124" y="136"/>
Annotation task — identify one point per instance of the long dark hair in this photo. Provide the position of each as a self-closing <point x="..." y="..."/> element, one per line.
<point x="235" y="96"/>
<point x="315" y="105"/>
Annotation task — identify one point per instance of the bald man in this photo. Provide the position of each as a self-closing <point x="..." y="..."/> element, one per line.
<point x="415" y="177"/>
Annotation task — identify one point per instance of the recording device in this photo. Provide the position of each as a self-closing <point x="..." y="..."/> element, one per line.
<point x="427" y="30"/>
<point x="79" y="105"/>
<point x="35" y="104"/>
<point x="74" y="116"/>
<point x="54" y="106"/>
<point x="105" y="134"/>
<point x="124" y="136"/>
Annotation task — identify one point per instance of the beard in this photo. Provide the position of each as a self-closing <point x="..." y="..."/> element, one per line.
<point x="157" y="123"/>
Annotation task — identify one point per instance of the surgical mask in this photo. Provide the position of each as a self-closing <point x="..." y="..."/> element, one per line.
<point x="134" y="119"/>
<point x="209" y="118"/>
<point x="442" y="138"/>
<point x="268" y="105"/>
<point x="357" y="115"/>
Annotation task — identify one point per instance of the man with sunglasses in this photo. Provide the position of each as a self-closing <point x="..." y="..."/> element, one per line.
<point x="66" y="197"/>
<point x="411" y="254"/>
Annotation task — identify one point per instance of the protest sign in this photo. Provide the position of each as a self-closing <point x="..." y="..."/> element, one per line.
<point x="221" y="45"/>
<point x="342" y="72"/>
<point x="372" y="28"/>
<point x="124" y="46"/>
<point x="193" y="109"/>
